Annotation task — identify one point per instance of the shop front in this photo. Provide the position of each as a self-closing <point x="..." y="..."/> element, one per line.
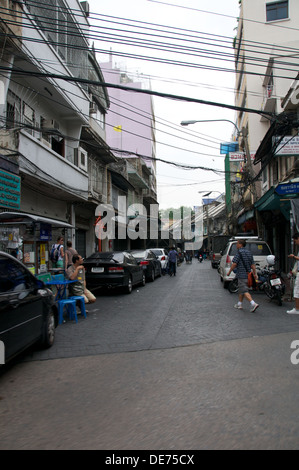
<point x="29" y="238"/>
<point x="275" y="207"/>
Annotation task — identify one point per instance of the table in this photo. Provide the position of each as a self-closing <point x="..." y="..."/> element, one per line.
<point x="60" y="286"/>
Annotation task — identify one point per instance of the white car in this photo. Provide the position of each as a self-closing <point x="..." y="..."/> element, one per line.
<point x="259" y="249"/>
<point x="162" y="254"/>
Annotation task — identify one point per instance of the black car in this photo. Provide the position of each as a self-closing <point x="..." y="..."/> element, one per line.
<point x="150" y="263"/>
<point x="28" y="313"/>
<point x="113" y="269"/>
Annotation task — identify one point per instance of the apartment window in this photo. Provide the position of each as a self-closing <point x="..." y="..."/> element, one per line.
<point x="277" y="11"/>
<point x="13" y="110"/>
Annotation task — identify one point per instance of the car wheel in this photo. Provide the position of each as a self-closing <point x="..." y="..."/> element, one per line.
<point x="143" y="282"/>
<point x="152" y="277"/>
<point x="49" y="331"/>
<point x="129" y="287"/>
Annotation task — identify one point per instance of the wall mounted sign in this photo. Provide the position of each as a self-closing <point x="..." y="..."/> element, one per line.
<point x="10" y="190"/>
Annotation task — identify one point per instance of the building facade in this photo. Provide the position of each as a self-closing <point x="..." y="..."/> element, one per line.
<point x="53" y="135"/>
<point x="266" y="56"/>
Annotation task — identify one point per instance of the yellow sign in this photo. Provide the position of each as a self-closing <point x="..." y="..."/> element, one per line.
<point x="117" y="128"/>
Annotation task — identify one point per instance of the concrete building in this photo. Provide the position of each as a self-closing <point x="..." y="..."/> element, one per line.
<point x="130" y="133"/>
<point x="266" y="62"/>
<point x="52" y="135"/>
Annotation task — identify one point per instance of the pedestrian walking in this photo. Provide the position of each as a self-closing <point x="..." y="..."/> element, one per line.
<point x="172" y="258"/>
<point x="243" y="262"/>
<point x="295" y="310"/>
<point x="57" y="254"/>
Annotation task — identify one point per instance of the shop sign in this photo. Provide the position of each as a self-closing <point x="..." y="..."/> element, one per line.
<point x="45" y="232"/>
<point x="239" y="157"/>
<point x="289" y="146"/>
<point x="10" y="190"/>
<point x="287" y="188"/>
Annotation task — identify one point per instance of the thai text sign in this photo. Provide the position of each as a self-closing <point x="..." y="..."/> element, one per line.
<point x="239" y="157"/>
<point x="288" y="146"/>
<point x="10" y="190"/>
<point x="287" y="188"/>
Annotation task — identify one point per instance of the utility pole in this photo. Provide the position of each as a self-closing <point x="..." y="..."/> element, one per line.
<point x="252" y="187"/>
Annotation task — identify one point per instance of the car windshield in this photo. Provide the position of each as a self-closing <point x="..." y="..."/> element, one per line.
<point x="157" y="252"/>
<point x="256" y="248"/>
<point x="139" y="254"/>
<point x="106" y="256"/>
<point x="12" y="276"/>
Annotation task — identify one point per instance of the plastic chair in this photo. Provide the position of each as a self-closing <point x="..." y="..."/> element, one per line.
<point x="44" y="277"/>
<point x="82" y="303"/>
<point x="58" y="277"/>
<point x="70" y="304"/>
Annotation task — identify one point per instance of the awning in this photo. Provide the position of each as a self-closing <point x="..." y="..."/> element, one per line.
<point x="245" y="216"/>
<point x="22" y="218"/>
<point x="271" y="201"/>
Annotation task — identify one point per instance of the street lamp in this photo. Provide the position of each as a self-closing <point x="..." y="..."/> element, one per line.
<point x="186" y="123"/>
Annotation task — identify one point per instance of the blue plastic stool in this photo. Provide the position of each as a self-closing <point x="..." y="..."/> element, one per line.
<point x="71" y="308"/>
<point x="82" y="303"/>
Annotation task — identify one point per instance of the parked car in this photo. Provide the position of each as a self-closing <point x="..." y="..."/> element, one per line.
<point x="259" y="249"/>
<point x="150" y="263"/>
<point x="28" y="313"/>
<point x="113" y="269"/>
<point x="218" y="243"/>
<point x="162" y="254"/>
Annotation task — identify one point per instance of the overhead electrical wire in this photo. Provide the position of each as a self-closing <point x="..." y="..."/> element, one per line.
<point x="221" y="58"/>
<point x="176" y="97"/>
<point x="135" y="90"/>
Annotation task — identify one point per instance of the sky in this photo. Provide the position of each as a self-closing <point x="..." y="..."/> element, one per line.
<point x="193" y="24"/>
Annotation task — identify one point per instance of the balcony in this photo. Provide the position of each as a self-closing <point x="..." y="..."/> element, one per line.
<point x="42" y="166"/>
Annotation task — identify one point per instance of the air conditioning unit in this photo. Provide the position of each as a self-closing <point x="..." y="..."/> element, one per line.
<point x="50" y="124"/>
<point x="81" y="158"/>
<point x="92" y="107"/>
<point x="85" y="8"/>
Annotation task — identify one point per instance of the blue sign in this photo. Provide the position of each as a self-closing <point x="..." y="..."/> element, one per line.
<point x="228" y="147"/>
<point x="287" y="188"/>
<point x="10" y="190"/>
<point x="45" y="232"/>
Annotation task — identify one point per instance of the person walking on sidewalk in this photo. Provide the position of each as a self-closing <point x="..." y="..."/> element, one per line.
<point x="295" y="310"/>
<point x="243" y="262"/>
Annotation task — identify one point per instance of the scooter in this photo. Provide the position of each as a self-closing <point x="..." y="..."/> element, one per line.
<point x="200" y="258"/>
<point x="275" y="286"/>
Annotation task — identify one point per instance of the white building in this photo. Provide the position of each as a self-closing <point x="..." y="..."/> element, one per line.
<point x="266" y="61"/>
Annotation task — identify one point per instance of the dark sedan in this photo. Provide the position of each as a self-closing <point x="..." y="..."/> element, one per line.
<point x="150" y="263"/>
<point x="113" y="269"/>
<point x="27" y="309"/>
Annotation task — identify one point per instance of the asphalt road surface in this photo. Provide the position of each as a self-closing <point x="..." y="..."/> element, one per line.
<point x="173" y="366"/>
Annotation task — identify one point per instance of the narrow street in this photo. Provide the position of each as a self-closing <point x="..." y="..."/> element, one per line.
<point x="172" y="366"/>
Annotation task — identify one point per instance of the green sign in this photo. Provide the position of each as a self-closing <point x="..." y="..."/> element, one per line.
<point x="10" y="190"/>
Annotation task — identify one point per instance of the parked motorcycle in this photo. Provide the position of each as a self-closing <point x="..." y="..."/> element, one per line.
<point x="200" y="258"/>
<point x="269" y="281"/>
